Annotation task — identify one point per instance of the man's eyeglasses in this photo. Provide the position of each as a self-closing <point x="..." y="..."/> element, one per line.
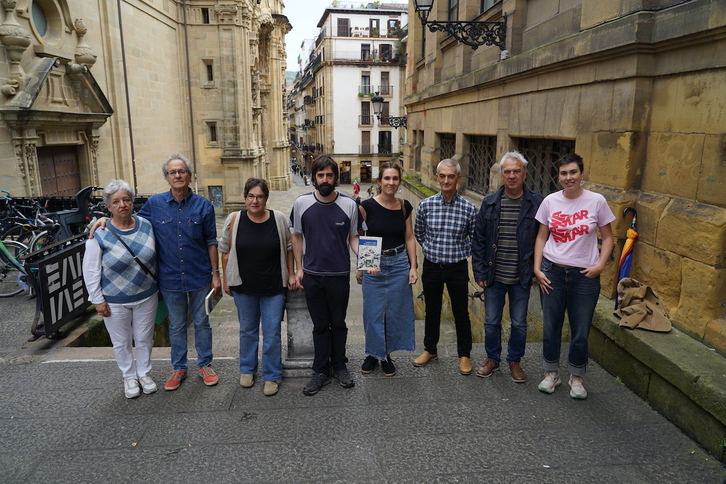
<point x="177" y="172"/>
<point x="259" y="198"/>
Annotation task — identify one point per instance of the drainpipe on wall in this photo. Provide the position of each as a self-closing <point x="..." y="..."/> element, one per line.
<point x="128" y="102"/>
<point x="189" y="93"/>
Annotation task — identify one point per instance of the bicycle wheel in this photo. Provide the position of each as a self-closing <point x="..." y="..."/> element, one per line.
<point x="15" y="232"/>
<point x="10" y="274"/>
<point x="36" y="240"/>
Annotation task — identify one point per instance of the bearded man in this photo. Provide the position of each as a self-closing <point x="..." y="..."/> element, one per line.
<point x="324" y="226"/>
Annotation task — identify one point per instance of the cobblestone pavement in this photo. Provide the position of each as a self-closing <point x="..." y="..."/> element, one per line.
<point x="63" y="419"/>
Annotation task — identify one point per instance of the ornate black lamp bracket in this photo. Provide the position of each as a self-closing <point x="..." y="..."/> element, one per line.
<point x="473" y="34"/>
<point x="397" y="121"/>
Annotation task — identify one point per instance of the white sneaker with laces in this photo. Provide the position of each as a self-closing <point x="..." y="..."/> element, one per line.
<point x="131" y="388"/>
<point x="147" y="384"/>
<point x="577" y="390"/>
<point x="550" y="382"/>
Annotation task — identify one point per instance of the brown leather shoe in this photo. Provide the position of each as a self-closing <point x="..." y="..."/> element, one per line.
<point x="465" y="367"/>
<point x="487" y="368"/>
<point x="517" y="372"/>
<point x="424" y="358"/>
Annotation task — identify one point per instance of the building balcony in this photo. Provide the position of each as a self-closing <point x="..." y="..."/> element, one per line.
<point x="373" y="149"/>
<point x="385" y="90"/>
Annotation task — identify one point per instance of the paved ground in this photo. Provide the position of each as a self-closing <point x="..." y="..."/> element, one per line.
<point x="63" y="418"/>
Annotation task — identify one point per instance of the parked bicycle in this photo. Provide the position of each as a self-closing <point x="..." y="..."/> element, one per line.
<point x="13" y="276"/>
<point x="47" y="228"/>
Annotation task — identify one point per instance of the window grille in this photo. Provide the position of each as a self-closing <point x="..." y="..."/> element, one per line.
<point x="482" y="157"/>
<point x="542" y="155"/>
<point x="448" y="145"/>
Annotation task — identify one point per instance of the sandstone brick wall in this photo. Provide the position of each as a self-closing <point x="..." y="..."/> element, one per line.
<point x="640" y="90"/>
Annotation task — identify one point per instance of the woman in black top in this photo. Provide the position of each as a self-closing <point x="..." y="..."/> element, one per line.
<point x="388" y="318"/>
<point x="256" y="249"/>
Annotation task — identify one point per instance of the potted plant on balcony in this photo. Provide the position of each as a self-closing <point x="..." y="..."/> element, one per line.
<point x="375" y="32"/>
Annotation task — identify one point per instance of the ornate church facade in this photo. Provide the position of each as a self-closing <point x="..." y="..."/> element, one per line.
<point x="91" y="91"/>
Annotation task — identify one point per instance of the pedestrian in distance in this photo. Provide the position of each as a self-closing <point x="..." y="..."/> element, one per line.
<point x="444" y="227"/>
<point x="356" y="188"/>
<point x="502" y="259"/>
<point x="186" y="243"/>
<point x="567" y="265"/>
<point x="119" y="271"/>
<point x="257" y="261"/>
<point x="388" y="318"/>
<point x="324" y="230"/>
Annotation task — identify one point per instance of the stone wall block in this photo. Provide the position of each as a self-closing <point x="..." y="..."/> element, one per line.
<point x="595" y="106"/>
<point x="712" y="180"/>
<point x="619" y="363"/>
<point x="689" y="417"/>
<point x="694" y="230"/>
<point x="659" y="269"/>
<point x="710" y="393"/>
<point x="673" y="164"/>
<point x="650" y="207"/>
<point x="715" y="335"/>
<point x="613" y="161"/>
<point x="703" y="295"/>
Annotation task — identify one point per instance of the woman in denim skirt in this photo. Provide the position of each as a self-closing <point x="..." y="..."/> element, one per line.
<point x="567" y="265"/>
<point x="388" y="319"/>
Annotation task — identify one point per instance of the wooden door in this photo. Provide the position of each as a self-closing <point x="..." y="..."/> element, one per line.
<point x="60" y="174"/>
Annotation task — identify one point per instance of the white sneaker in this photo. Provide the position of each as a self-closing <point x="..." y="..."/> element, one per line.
<point x="131" y="388"/>
<point x="147" y="384"/>
<point x="551" y="380"/>
<point x="577" y="390"/>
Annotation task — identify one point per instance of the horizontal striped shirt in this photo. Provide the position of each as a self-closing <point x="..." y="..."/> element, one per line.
<point x="506" y="265"/>
<point x="445" y="229"/>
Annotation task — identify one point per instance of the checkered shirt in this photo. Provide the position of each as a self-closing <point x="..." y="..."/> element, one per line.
<point x="445" y="229"/>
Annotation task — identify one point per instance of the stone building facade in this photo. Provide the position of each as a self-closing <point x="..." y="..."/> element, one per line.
<point x="92" y="91"/>
<point x="356" y="56"/>
<point x="635" y="87"/>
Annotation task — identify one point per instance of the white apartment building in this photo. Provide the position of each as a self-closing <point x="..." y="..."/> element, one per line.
<point x="357" y="54"/>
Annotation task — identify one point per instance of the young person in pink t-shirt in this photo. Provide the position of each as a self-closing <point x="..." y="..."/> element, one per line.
<point x="567" y="265"/>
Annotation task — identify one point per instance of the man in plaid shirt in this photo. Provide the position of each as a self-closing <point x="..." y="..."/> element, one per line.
<point x="445" y="227"/>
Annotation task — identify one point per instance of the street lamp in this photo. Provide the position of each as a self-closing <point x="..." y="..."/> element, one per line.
<point x="472" y="34"/>
<point x="394" y="121"/>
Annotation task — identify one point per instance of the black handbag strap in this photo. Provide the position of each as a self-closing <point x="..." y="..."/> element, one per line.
<point x="138" y="261"/>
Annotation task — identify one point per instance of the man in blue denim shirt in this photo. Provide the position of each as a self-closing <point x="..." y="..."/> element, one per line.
<point x="186" y="248"/>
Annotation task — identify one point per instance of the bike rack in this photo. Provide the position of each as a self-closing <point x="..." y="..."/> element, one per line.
<point x="56" y="274"/>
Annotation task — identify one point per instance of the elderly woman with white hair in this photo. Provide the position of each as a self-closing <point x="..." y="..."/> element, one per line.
<point x="119" y="270"/>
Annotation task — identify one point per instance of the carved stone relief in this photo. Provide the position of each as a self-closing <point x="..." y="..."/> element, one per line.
<point x="226" y="13"/>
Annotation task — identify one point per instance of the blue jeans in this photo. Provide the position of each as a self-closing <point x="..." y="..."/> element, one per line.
<point x="388" y="319"/>
<point x="494" y="295"/>
<point x="251" y="310"/>
<point x="577" y="294"/>
<point x="180" y="304"/>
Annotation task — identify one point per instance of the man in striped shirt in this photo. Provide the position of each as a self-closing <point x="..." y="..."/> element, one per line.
<point x="502" y="260"/>
<point x="444" y="227"/>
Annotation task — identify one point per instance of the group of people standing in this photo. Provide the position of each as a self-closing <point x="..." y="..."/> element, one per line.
<point x="168" y="249"/>
<point x="514" y="237"/>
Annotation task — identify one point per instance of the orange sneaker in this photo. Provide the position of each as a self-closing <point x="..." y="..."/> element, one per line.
<point x="175" y="380"/>
<point x="210" y="378"/>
